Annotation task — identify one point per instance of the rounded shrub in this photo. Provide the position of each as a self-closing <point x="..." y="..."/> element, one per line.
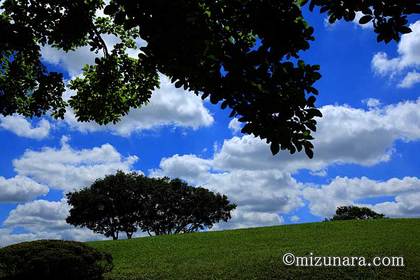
<point x="53" y="259"/>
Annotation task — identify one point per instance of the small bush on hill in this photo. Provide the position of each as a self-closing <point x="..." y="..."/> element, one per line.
<point x="355" y="213"/>
<point x="53" y="260"/>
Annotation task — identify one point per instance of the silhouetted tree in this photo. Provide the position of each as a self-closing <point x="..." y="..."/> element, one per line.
<point x="266" y="85"/>
<point x="125" y="202"/>
<point x="355" y="213"/>
<point x="106" y="207"/>
<point x="175" y="207"/>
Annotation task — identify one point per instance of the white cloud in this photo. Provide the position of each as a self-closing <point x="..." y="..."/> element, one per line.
<point x="168" y="106"/>
<point x="409" y="46"/>
<point x="253" y="190"/>
<point x="411" y="79"/>
<point x="294" y="219"/>
<point x="62" y="168"/>
<point x="73" y="61"/>
<point x="249" y="219"/>
<point x="372" y="102"/>
<point x="323" y="200"/>
<point x="404" y="205"/>
<point x="408" y="57"/>
<point x="258" y="191"/>
<point x="235" y="126"/>
<point x="8" y="238"/>
<point x="320" y="173"/>
<point x="345" y="135"/>
<point x="20" y="189"/>
<point x="22" y="127"/>
<point x="189" y="167"/>
<point x="244" y="169"/>
<point x="382" y="65"/>
<point x="408" y="53"/>
<point x="260" y="195"/>
<point x="356" y="20"/>
<point x="42" y="219"/>
<point x="67" y="169"/>
<point x="38" y="215"/>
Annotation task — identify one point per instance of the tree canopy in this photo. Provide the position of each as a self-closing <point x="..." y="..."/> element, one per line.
<point x="128" y="202"/>
<point x="107" y="206"/>
<point x="355" y="213"/>
<point x="269" y="88"/>
<point x="174" y="207"/>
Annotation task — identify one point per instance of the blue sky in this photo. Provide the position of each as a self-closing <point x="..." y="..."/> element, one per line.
<point x="365" y="149"/>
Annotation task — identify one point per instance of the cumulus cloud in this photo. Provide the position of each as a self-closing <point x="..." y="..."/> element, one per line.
<point x="345" y="135"/>
<point x="247" y="219"/>
<point x="408" y="58"/>
<point x="189" y="167"/>
<point x="260" y="195"/>
<point x="8" y="238"/>
<point x="235" y="126"/>
<point x="410" y="80"/>
<point x="404" y="205"/>
<point x="67" y="169"/>
<point x="244" y="169"/>
<point x="73" y="61"/>
<point x="169" y="106"/>
<point x="372" y="102"/>
<point x="270" y="190"/>
<point x="42" y="219"/>
<point x="382" y="65"/>
<point x="22" y="127"/>
<point x="20" y="189"/>
<point x="63" y="168"/>
<point x="323" y="200"/>
<point x="38" y="215"/>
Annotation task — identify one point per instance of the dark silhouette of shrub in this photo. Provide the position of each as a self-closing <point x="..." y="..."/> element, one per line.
<point x="53" y="260"/>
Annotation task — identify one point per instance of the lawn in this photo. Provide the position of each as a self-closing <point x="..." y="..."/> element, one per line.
<point x="257" y="253"/>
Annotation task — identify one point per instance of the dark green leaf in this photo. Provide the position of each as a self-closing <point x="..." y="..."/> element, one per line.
<point x="275" y="148"/>
<point x="365" y="19"/>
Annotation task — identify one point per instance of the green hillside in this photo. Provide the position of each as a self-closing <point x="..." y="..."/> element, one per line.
<point x="257" y="253"/>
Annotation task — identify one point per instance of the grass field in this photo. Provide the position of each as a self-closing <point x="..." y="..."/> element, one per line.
<point x="257" y="253"/>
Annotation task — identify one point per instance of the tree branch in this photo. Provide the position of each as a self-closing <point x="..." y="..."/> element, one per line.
<point x="101" y="40"/>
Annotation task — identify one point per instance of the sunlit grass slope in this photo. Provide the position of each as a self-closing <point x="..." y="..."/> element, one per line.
<point x="257" y="253"/>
